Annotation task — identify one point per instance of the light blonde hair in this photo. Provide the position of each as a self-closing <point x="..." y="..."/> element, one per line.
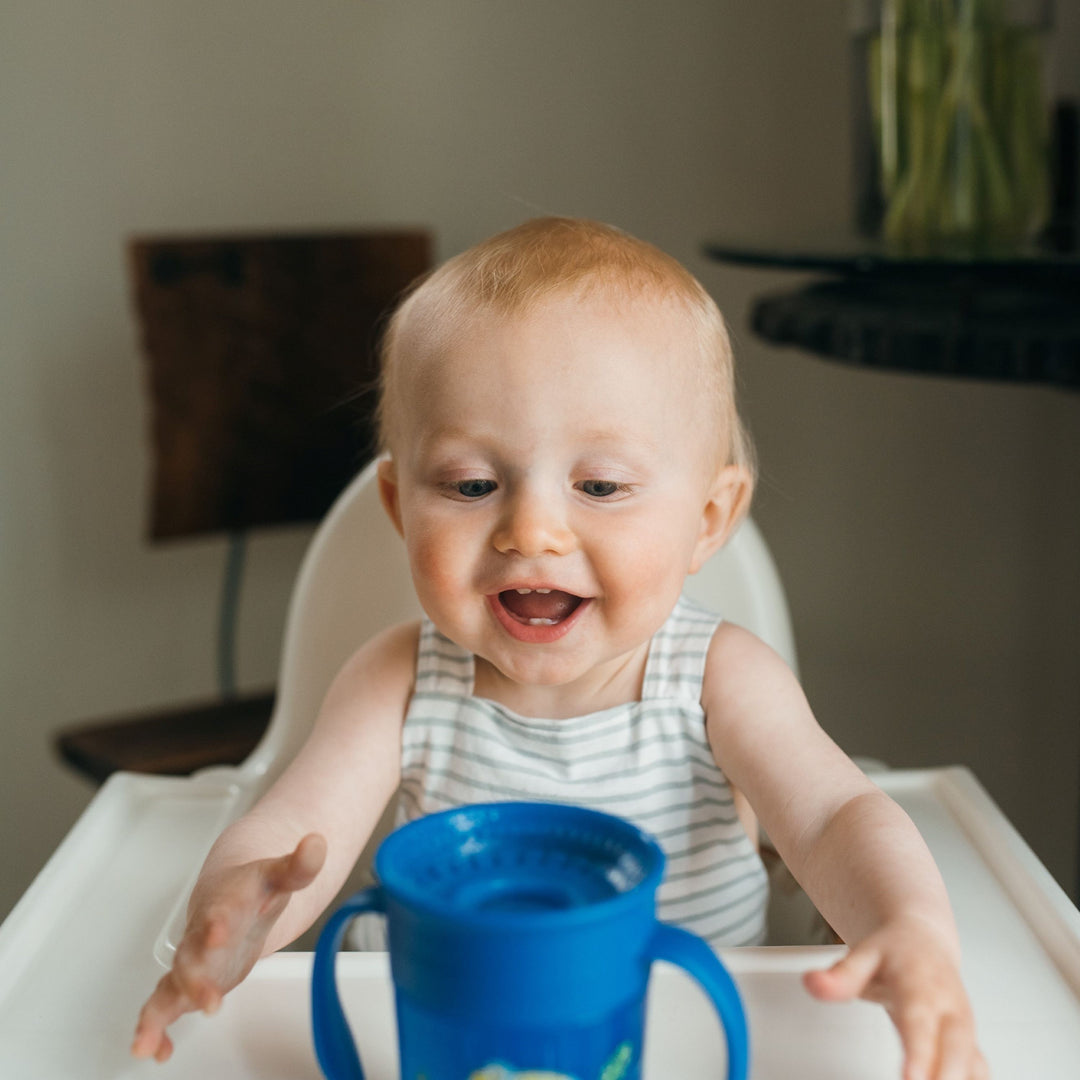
<point x="513" y="272"/>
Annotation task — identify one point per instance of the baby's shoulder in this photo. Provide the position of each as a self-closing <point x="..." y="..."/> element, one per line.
<point x="385" y="663"/>
<point x="393" y="644"/>
<point x="739" y="660"/>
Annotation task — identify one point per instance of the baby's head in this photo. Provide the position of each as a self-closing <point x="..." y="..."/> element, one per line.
<point x="516" y="273"/>
<point x="564" y="449"/>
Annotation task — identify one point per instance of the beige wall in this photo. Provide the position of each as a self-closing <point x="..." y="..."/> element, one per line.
<point x="927" y="531"/>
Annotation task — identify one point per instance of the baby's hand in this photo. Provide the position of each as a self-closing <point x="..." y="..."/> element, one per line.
<point x="908" y="968"/>
<point x="228" y="923"/>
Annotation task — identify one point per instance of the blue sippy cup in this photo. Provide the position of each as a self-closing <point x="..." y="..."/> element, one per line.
<point x="521" y="937"/>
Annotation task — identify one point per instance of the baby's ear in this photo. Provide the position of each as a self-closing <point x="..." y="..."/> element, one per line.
<point x="389" y="492"/>
<point x="726" y="504"/>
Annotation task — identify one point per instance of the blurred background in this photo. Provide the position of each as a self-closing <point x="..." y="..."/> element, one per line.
<point x="927" y="529"/>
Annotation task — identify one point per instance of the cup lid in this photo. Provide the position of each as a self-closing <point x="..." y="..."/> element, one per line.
<point x="518" y="861"/>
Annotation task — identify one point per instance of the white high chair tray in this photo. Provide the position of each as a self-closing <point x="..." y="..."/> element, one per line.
<point x="265" y="1033"/>
<point x="76" y="959"/>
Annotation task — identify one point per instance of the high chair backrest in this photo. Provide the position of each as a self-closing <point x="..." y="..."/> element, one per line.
<point x="354" y="581"/>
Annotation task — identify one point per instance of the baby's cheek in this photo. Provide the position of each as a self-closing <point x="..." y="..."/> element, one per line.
<point x="648" y="572"/>
<point x="436" y="564"/>
<point x="652" y="554"/>
<point x="427" y="563"/>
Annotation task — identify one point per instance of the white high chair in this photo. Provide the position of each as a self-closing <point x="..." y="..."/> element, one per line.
<point x="77" y="954"/>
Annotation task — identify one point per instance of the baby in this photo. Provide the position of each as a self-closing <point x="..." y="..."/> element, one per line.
<point x="562" y="449"/>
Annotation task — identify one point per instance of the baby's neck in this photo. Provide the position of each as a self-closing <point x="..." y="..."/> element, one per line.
<point x="593" y="692"/>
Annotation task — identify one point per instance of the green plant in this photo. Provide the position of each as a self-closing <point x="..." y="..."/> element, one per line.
<point x="959" y="119"/>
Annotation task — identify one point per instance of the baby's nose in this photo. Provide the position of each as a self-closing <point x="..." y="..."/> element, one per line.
<point x="532" y="526"/>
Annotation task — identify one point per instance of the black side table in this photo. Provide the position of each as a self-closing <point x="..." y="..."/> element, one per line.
<point x="1006" y="315"/>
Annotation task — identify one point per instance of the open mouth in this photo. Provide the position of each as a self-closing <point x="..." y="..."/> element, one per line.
<point x="539" y="607"/>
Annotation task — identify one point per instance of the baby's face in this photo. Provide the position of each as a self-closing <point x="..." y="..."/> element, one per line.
<point x="550" y="476"/>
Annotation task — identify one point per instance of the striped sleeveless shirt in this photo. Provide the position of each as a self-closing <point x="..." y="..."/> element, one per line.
<point x="648" y="761"/>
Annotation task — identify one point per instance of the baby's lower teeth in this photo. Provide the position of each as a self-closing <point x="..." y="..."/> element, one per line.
<point x="542" y="622"/>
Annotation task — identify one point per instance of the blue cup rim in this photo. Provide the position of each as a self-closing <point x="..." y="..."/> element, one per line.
<point x="401" y="888"/>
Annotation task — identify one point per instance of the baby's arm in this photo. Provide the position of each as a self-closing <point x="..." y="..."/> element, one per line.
<point x="271" y="873"/>
<point x="855" y="852"/>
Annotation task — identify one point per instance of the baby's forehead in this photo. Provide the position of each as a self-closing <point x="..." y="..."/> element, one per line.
<point x="552" y="343"/>
<point x="557" y="317"/>
<point x="554" y="358"/>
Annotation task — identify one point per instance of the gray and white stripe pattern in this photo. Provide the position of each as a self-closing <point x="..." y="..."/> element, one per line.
<point x="648" y="761"/>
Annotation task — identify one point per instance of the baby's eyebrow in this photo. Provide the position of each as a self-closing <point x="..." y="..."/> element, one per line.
<point x="611" y="440"/>
<point x="443" y="436"/>
<point x="615" y="438"/>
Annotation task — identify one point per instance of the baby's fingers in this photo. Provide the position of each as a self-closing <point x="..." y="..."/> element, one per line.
<point x="299" y="868"/>
<point x="166" y="1004"/>
<point x="939" y="1048"/>
<point x="159" y="1047"/>
<point x="848" y="978"/>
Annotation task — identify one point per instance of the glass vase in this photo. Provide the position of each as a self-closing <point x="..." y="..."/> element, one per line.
<point x="951" y="121"/>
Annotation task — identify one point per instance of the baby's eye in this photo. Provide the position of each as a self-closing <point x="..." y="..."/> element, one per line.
<point x="601" y="489"/>
<point x="474" y="489"/>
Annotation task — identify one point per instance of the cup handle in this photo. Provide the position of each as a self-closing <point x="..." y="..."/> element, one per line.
<point x="689" y="952"/>
<point x="334" y="1045"/>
